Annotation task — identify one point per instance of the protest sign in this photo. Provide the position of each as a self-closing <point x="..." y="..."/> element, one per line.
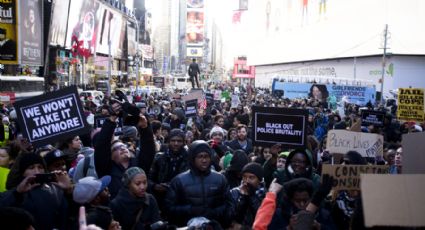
<point x="347" y="177"/>
<point x="158" y="82"/>
<point x="52" y="116"/>
<point x="235" y="101"/>
<point x="367" y="144"/>
<point x="210" y="98"/>
<point x="413" y="153"/>
<point x="99" y="120"/>
<point x="370" y="117"/>
<point x="191" y="108"/>
<point x="279" y="126"/>
<point x="194" y="94"/>
<point x="410" y="104"/>
<point x="393" y="200"/>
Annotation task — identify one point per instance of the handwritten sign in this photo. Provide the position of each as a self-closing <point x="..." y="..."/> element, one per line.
<point x="410" y="104"/>
<point x="367" y="144"/>
<point x="347" y="177"/>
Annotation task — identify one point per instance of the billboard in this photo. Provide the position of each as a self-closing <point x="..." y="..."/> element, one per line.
<point x="83" y="23"/>
<point x="195" y="27"/>
<point x="31" y="32"/>
<point x="8" y="33"/>
<point x="110" y="29"/>
<point x="351" y="94"/>
<point x="57" y="33"/>
<point x="195" y="3"/>
<point x="194" y="52"/>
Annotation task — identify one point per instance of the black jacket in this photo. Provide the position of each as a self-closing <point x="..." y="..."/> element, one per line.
<point x="125" y="208"/>
<point x="192" y="194"/>
<point x="193" y="69"/>
<point x="46" y="203"/>
<point x="246" y="206"/>
<point x="235" y="146"/>
<point x="166" y="166"/>
<point x="103" y="161"/>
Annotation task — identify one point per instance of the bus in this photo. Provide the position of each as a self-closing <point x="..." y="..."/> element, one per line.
<point x="15" y="88"/>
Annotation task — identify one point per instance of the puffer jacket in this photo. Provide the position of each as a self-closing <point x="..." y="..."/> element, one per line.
<point x="194" y="193"/>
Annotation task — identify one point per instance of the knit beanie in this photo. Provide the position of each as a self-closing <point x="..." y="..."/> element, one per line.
<point x="354" y="158"/>
<point x="29" y="159"/>
<point x="176" y="132"/>
<point x="197" y="147"/>
<point x="130" y="174"/>
<point x="239" y="160"/>
<point x="255" y="169"/>
<point x="129" y="132"/>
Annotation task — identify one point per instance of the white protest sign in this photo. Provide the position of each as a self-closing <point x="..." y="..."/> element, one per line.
<point x="367" y="144"/>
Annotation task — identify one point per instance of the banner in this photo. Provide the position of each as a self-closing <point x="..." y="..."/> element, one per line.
<point x="279" y="126"/>
<point x="31" y="32"/>
<point x="57" y="33"/>
<point x="410" y="104"/>
<point x="191" y="108"/>
<point x="371" y="117"/>
<point x="52" y="116"/>
<point x="367" y="144"/>
<point x="347" y="177"/>
<point x="359" y="95"/>
<point x="8" y="32"/>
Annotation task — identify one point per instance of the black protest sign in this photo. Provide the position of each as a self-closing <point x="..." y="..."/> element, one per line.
<point x="52" y="116"/>
<point x="191" y="108"/>
<point x="370" y="117"/>
<point x="279" y="126"/>
<point x="158" y="82"/>
<point x="99" y="120"/>
<point x="210" y="98"/>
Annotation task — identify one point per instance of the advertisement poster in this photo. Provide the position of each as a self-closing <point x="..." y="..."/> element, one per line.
<point x="195" y="3"/>
<point x="410" y="104"/>
<point x="195" y="27"/>
<point x="57" y="34"/>
<point x="279" y="126"/>
<point x="31" y="32"/>
<point x="84" y="23"/>
<point x="359" y="95"/>
<point x="8" y="33"/>
<point x="110" y="30"/>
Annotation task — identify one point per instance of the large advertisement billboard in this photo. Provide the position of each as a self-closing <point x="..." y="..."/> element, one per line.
<point x="57" y="34"/>
<point x="111" y="24"/>
<point x="31" y="32"/>
<point x="351" y="94"/>
<point x="8" y="32"/>
<point x="195" y="27"/>
<point x="83" y="23"/>
<point x="195" y="3"/>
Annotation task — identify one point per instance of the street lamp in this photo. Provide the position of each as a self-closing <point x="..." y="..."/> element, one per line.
<point x="137" y="50"/>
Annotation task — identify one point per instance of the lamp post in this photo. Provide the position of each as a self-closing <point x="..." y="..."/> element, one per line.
<point x="137" y="51"/>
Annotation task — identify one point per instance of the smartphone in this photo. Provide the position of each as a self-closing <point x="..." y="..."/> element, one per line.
<point x="44" y="178"/>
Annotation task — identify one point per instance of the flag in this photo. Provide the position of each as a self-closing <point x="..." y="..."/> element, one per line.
<point x="237" y="16"/>
<point x="203" y="103"/>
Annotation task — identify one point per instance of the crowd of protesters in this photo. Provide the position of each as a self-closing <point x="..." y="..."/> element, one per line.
<point x="163" y="170"/>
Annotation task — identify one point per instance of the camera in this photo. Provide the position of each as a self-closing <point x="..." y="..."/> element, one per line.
<point x="44" y="178"/>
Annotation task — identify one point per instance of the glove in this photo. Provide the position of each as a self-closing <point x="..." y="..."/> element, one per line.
<point x="323" y="190"/>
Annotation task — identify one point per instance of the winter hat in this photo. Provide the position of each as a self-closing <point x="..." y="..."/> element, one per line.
<point x="217" y="129"/>
<point x="176" y="132"/>
<point x="197" y="147"/>
<point x="88" y="188"/>
<point x="239" y="160"/>
<point x="179" y="113"/>
<point x="255" y="169"/>
<point x="130" y="174"/>
<point x="129" y="132"/>
<point x="52" y="156"/>
<point x="29" y="159"/>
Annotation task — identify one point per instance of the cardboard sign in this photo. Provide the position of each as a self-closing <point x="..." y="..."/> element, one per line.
<point x="191" y="108"/>
<point x="347" y="177"/>
<point x="279" y="126"/>
<point x="52" y="116"/>
<point x="410" y="104"/>
<point x="99" y="120"/>
<point x="393" y="200"/>
<point x="367" y="144"/>
<point x="371" y="117"/>
<point x="194" y="94"/>
<point x="413" y="153"/>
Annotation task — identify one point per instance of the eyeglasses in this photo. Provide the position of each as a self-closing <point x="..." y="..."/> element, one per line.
<point x="119" y="147"/>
